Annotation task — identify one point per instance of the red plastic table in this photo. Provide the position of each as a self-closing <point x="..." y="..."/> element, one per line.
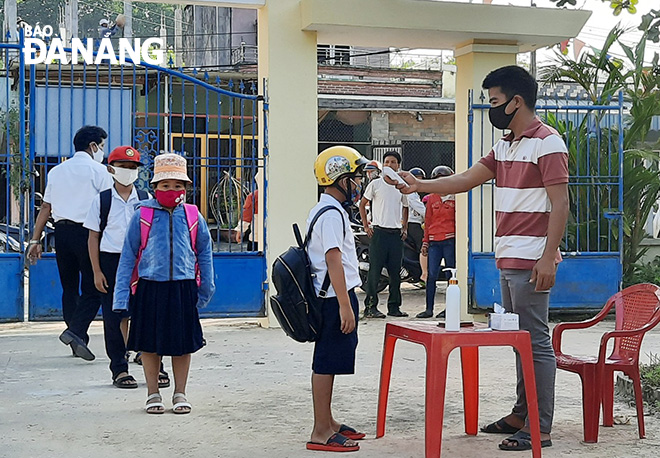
<point x="439" y="344"/>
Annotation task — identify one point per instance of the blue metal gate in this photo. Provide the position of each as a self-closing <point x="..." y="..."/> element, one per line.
<point x="12" y="183"/>
<point x="592" y="245"/>
<point x="212" y="121"/>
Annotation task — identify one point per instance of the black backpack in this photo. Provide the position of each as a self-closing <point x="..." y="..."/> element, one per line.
<point x="296" y="306"/>
<point x="106" y="202"/>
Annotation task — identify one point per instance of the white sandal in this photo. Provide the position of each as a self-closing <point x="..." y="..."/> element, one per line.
<point x="181" y="405"/>
<point x="158" y="406"/>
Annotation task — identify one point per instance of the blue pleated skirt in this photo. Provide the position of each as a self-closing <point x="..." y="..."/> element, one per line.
<point x="164" y="318"/>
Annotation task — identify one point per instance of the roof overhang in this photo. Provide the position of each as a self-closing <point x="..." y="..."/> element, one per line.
<point x="437" y="24"/>
<point x="228" y="4"/>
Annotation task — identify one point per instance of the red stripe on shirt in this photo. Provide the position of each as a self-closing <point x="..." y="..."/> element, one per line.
<point x="519" y="223"/>
<point x="515" y="263"/>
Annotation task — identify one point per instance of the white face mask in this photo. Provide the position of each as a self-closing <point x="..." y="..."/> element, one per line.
<point x="98" y="155"/>
<point x="124" y="176"/>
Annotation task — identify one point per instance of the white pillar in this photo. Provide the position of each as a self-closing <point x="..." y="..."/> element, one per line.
<point x="128" y="14"/>
<point x="287" y="59"/>
<point x="178" y="36"/>
<point x="10" y="21"/>
<point x="473" y="63"/>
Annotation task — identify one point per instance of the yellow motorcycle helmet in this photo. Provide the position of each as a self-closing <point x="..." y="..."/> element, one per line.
<point x="336" y="161"/>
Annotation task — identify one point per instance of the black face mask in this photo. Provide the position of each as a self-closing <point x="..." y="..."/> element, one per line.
<point x="499" y="118"/>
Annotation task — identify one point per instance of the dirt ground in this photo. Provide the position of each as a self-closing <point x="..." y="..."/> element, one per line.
<point x="251" y="398"/>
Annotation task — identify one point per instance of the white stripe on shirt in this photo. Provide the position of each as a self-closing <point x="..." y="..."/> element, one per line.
<point x="529" y="200"/>
<point x="519" y="246"/>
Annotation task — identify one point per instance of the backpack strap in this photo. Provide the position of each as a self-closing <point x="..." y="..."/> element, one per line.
<point x="146" y="219"/>
<point x="326" y="281"/>
<point x="106" y="202"/>
<point x="192" y="218"/>
<point x="315" y="219"/>
<point x="142" y="195"/>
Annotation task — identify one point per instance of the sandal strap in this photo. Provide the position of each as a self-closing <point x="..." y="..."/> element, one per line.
<point x="154" y="396"/>
<point x="181" y="404"/>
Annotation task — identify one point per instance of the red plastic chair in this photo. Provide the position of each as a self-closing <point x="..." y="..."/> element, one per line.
<point x="637" y="312"/>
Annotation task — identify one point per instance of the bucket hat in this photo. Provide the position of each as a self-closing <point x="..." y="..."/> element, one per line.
<point x="170" y="166"/>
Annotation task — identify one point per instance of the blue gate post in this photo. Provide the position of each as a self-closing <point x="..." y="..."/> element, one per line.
<point x="621" y="184"/>
<point x="11" y="260"/>
<point x="470" y="280"/>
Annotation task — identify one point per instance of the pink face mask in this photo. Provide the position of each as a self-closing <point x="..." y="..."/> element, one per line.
<point x="171" y="198"/>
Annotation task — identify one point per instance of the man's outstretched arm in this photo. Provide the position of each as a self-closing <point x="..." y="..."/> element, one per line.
<point x="454" y="184"/>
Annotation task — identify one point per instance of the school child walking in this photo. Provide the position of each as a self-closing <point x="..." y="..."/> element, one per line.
<point x="166" y="269"/>
<point x="334" y="262"/>
<point x="107" y="220"/>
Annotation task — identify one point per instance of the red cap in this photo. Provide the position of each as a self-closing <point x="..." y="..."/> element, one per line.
<point x="124" y="153"/>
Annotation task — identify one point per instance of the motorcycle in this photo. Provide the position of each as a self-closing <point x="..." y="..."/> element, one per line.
<point x="410" y="272"/>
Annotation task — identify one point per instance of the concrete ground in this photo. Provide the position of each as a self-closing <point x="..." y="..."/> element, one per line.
<point x="251" y="398"/>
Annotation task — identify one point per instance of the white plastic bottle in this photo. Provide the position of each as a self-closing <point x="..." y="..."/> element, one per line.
<point x="453" y="310"/>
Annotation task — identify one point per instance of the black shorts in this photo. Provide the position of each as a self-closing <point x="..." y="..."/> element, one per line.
<point x="334" y="352"/>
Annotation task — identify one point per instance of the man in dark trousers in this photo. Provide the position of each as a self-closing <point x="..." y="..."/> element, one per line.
<point x="70" y="189"/>
<point x="388" y="230"/>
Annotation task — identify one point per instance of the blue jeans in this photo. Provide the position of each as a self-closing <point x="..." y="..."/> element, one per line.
<point x="445" y="249"/>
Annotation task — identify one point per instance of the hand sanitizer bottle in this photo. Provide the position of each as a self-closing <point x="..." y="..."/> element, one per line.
<point x="453" y="310"/>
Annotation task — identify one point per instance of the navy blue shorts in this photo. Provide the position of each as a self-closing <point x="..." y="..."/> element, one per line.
<point x="334" y="352"/>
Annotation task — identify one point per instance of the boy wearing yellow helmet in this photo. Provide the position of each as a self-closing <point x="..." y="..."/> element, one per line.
<point x="331" y="251"/>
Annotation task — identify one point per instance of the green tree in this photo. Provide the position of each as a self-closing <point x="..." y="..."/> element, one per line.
<point x="602" y="77"/>
<point x="618" y="6"/>
<point x="146" y="16"/>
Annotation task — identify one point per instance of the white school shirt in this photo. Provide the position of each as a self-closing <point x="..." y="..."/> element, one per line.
<point x="417" y="209"/>
<point x="387" y="204"/>
<point x="328" y="233"/>
<point x="73" y="185"/>
<point x="120" y="214"/>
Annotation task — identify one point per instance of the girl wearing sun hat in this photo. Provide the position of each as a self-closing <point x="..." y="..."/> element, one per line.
<point x="166" y="269"/>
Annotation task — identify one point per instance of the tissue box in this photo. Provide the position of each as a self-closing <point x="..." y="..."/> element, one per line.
<point x="503" y="321"/>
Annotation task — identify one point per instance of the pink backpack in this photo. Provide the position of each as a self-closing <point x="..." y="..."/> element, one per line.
<point x="146" y="218"/>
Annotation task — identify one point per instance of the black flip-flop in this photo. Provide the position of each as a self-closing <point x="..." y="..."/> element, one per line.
<point x="336" y="443"/>
<point x="120" y="382"/>
<point x="163" y="379"/>
<point x="499" y="427"/>
<point x="523" y="442"/>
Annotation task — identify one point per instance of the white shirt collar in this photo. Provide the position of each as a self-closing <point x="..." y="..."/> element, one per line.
<point x="132" y="196"/>
<point x="328" y="199"/>
<point x="81" y="154"/>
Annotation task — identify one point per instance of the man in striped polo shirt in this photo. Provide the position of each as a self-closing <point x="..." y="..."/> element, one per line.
<point x="530" y="168"/>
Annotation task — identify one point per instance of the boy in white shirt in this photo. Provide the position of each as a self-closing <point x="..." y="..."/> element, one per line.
<point x="332" y="254"/>
<point x="107" y="221"/>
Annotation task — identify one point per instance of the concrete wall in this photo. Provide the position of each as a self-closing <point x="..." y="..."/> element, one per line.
<point x="654" y="249"/>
